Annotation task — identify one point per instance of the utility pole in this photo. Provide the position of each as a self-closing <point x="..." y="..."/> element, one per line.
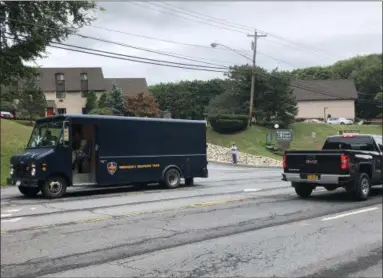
<point x="254" y="46"/>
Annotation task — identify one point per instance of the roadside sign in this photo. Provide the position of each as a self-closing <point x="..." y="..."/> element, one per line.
<point x="313" y="134"/>
<point x="269" y="138"/>
<point x="284" y="135"/>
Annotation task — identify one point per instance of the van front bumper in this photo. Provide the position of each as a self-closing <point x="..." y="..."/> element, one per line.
<point x="23" y="182"/>
<point x="322" y="178"/>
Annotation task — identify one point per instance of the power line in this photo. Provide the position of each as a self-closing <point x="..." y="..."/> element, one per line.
<point x="148" y="50"/>
<point x="137" y="58"/>
<point x="192" y="19"/>
<point x="244" y="27"/>
<point x="170" y="54"/>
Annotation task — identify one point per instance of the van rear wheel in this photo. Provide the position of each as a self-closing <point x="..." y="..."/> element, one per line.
<point x="29" y="191"/>
<point x="54" y="187"/>
<point x="172" y="178"/>
<point x="303" y="190"/>
<point x="189" y="181"/>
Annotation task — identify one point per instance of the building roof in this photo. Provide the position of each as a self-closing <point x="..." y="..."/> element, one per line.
<point x="306" y="90"/>
<point x="47" y="80"/>
<point x="129" y="86"/>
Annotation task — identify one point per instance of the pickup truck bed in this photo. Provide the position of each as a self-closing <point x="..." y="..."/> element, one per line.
<point x="352" y="162"/>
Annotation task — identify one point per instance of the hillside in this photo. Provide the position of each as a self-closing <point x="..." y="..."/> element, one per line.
<point x="253" y="139"/>
<point x="14" y="137"/>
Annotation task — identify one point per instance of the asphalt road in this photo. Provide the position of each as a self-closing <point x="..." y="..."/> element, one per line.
<point x="240" y="222"/>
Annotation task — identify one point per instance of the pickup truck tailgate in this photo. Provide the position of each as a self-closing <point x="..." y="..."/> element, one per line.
<point x="313" y="162"/>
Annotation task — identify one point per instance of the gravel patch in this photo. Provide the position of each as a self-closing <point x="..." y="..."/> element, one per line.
<point x="221" y="154"/>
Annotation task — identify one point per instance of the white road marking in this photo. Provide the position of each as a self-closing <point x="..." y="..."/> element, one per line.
<point x="5" y="215"/>
<point x="349" y="213"/>
<point x="251" y="189"/>
<point x="32" y="208"/>
<point x="12" y="210"/>
<point x="11" y="220"/>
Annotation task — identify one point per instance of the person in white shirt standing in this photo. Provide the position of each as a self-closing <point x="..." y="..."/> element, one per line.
<point x="234" y="153"/>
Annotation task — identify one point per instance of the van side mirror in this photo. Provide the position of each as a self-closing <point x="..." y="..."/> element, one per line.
<point x="66" y="137"/>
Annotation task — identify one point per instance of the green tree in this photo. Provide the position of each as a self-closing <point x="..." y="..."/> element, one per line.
<point x="91" y="101"/>
<point x="115" y="100"/>
<point x="101" y="111"/>
<point x="273" y="96"/>
<point x="379" y="103"/>
<point x="7" y="106"/>
<point x="32" y="102"/>
<point x="102" y="101"/>
<point x="28" y="27"/>
<point x="187" y="99"/>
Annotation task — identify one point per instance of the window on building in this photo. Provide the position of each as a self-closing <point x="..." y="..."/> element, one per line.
<point x="60" y="77"/>
<point x="61" y="110"/>
<point x="84" y="76"/>
<point x="60" y="85"/>
<point x="84" y="85"/>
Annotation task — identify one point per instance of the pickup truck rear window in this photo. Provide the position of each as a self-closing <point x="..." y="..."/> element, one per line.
<point x="361" y="143"/>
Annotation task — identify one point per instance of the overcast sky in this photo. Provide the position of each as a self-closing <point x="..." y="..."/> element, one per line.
<point x="300" y="34"/>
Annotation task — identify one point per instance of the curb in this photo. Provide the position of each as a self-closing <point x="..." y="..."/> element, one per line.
<point x="244" y="165"/>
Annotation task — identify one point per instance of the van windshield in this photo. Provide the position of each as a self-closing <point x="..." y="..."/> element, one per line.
<point x="45" y="135"/>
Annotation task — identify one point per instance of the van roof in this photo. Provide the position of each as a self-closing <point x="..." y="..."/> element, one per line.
<point x="108" y="117"/>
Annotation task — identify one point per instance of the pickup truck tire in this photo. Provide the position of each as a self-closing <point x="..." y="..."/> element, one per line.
<point x="302" y="189"/>
<point x="54" y="187"/>
<point x="172" y="178"/>
<point x="29" y="191"/>
<point x="362" y="187"/>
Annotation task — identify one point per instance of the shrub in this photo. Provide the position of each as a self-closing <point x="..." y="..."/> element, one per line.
<point x="227" y="124"/>
<point x="101" y="111"/>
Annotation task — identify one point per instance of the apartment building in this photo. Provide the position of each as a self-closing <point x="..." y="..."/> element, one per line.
<point x="66" y="89"/>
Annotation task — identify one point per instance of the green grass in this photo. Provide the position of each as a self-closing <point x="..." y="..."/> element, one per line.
<point x="253" y="140"/>
<point x="14" y="137"/>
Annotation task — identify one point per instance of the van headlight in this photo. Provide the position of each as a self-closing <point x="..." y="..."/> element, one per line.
<point x="11" y="171"/>
<point x="33" y="172"/>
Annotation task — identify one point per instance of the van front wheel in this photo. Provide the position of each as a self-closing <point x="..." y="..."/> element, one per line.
<point x="54" y="187"/>
<point x="29" y="191"/>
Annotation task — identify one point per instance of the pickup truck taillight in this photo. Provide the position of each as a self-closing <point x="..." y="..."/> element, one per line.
<point x="344" y="162"/>
<point x="284" y="163"/>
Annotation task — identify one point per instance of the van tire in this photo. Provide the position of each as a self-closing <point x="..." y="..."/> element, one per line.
<point x="54" y="187"/>
<point x="29" y="191"/>
<point x="189" y="181"/>
<point x="362" y="187"/>
<point x="172" y="178"/>
<point x="303" y="190"/>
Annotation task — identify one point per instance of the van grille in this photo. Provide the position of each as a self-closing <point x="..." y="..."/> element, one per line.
<point x="22" y="170"/>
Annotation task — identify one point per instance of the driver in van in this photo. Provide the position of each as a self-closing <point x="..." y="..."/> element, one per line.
<point x="79" y="155"/>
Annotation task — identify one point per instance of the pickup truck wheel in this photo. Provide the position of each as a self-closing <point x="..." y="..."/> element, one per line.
<point x="29" y="191"/>
<point x="362" y="186"/>
<point x="172" y="178"/>
<point x="303" y="190"/>
<point x="330" y="188"/>
<point x="54" y="187"/>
